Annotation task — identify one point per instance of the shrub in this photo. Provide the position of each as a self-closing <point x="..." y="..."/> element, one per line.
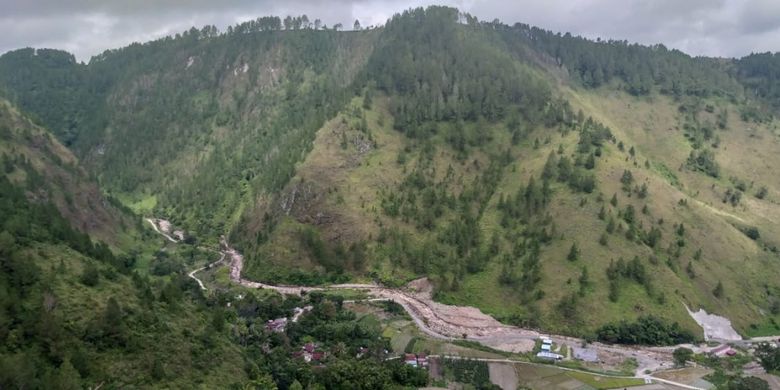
<point x="751" y="232"/>
<point x="90" y="277"/>
<point x="647" y="330"/>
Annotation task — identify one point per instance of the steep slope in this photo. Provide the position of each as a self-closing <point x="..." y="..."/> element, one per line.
<point x="230" y="112"/>
<point x="550" y="180"/>
<point x="49" y="174"/>
<point x="411" y="181"/>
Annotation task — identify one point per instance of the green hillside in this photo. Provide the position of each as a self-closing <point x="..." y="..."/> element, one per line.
<point x="77" y="313"/>
<point x="550" y="180"/>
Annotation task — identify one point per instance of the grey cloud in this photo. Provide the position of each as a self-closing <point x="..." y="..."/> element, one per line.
<point x="699" y="27"/>
<point x="759" y="16"/>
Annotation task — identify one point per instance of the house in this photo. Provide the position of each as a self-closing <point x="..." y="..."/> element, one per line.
<point x="549" y="356"/>
<point x="410" y="359"/>
<point x="309" y="353"/>
<point x="723" y="350"/>
<point x="419" y="360"/>
<point x="546" y="344"/>
<point x="276" y="325"/>
<point x="422" y="361"/>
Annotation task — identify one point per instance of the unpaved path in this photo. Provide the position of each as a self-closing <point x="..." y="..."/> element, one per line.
<point x="163" y="229"/>
<point x="207" y="266"/>
<point x="718" y="211"/>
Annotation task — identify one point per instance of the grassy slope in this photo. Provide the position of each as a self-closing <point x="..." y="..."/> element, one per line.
<point x="728" y="255"/>
<point x="348" y="188"/>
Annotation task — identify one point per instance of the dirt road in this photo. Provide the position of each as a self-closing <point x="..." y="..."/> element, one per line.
<point x="207" y="266"/>
<point x="454" y="322"/>
<point x="457" y="322"/>
<point x="434" y="319"/>
<point x="162" y="230"/>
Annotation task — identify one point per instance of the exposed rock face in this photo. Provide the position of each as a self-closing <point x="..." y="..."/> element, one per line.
<point x="715" y="327"/>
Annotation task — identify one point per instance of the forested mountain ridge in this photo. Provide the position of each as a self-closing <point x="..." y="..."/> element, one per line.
<point x="507" y="163"/>
<point x="176" y="113"/>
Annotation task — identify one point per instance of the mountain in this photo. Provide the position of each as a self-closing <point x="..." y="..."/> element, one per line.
<point x="550" y="180"/>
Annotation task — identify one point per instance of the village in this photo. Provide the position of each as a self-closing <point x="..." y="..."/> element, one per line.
<point x="548" y="351"/>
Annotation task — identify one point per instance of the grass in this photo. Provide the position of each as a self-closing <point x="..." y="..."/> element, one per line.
<point x="399" y="333"/>
<point x="409" y="348"/>
<point x="479" y="347"/>
<point x="439" y="347"/>
<point x="768" y="327"/>
<point x="347" y="294"/>
<point x="140" y="204"/>
<point x="604" y="382"/>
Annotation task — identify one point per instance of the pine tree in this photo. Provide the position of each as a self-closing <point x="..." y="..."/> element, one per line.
<point x="112" y="326"/>
<point x="718" y="291"/>
<point x="590" y="163"/>
<point x="642" y="193"/>
<point x="296" y="385"/>
<point x="611" y="225"/>
<point x="574" y="253"/>
<point x="584" y="281"/>
<point x="689" y="270"/>
<point x="626" y="180"/>
<point x="91" y="276"/>
<point x="67" y="377"/>
<point x="158" y="370"/>
<point x="614" y="291"/>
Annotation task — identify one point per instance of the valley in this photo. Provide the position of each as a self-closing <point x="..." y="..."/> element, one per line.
<point x="310" y="205"/>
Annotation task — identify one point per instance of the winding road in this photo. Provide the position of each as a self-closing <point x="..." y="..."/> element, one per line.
<point x="451" y="322"/>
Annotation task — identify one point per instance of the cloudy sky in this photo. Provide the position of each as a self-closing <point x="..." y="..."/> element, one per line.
<point x="699" y="27"/>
